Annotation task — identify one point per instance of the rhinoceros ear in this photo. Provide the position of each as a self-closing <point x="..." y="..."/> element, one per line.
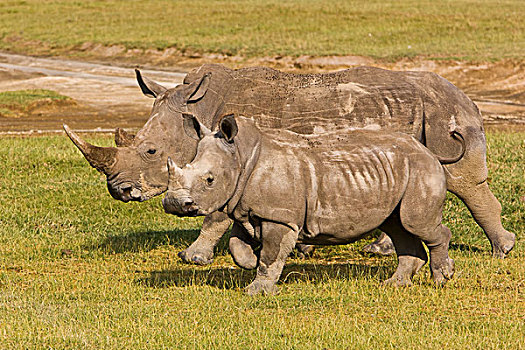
<point x="228" y="127"/>
<point x="122" y="138"/>
<point x="193" y="127"/>
<point x="149" y="87"/>
<point x="197" y="89"/>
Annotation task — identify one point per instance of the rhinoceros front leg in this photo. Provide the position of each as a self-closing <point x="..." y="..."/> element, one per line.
<point x="242" y="247"/>
<point x="200" y="252"/>
<point x="277" y="243"/>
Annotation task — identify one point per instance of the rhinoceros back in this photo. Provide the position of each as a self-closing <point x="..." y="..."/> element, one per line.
<point x="417" y="103"/>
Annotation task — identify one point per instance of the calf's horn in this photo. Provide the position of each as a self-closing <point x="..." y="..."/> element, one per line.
<point x="174" y="175"/>
<point x="100" y="158"/>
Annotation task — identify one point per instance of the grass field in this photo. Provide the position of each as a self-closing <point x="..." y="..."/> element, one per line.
<point x="468" y="29"/>
<point x="81" y="270"/>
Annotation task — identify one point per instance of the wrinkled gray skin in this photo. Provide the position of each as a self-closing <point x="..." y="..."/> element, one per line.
<point x="281" y="188"/>
<point x="420" y="104"/>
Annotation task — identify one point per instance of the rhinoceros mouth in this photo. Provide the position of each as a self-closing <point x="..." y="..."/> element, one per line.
<point x="125" y="192"/>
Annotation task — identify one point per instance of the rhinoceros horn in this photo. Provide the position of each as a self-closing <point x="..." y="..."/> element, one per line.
<point x="175" y="175"/>
<point x="100" y="158"/>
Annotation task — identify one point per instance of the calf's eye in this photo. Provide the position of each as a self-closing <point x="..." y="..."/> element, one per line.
<point x="209" y="179"/>
<point x="152" y="151"/>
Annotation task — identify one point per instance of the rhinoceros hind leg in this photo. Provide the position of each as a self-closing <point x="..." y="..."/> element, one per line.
<point x="468" y="180"/>
<point x="200" y="252"/>
<point x="421" y="213"/>
<point x="441" y="265"/>
<point x="410" y="252"/>
<point x="381" y="246"/>
<point x="486" y="210"/>
<point x="437" y="240"/>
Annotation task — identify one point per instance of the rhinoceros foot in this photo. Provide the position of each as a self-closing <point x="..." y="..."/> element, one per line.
<point x="191" y="256"/>
<point x="443" y="272"/>
<point x="304" y="251"/>
<point x="381" y="246"/>
<point x="398" y="281"/>
<point x="262" y="287"/>
<point x="503" y="245"/>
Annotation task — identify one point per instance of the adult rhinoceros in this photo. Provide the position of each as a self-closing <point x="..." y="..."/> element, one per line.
<point x="417" y="103"/>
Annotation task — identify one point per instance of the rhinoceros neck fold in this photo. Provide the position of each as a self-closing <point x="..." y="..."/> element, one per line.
<point x="247" y="164"/>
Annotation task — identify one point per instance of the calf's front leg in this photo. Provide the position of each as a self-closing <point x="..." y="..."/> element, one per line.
<point x="277" y="243"/>
<point x="242" y="247"/>
<point x="200" y="252"/>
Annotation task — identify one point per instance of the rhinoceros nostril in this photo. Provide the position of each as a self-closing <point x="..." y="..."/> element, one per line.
<point x="125" y="189"/>
<point x="187" y="202"/>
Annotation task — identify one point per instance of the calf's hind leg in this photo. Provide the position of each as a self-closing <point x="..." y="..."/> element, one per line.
<point x="437" y="240"/>
<point x="410" y="252"/>
<point x="420" y="213"/>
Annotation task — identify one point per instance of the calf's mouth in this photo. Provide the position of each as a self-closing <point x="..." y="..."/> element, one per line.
<point x="180" y="206"/>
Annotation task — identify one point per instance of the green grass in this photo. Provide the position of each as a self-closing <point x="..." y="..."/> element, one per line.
<point x="469" y="29"/>
<point x="79" y="270"/>
<point x="14" y="103"/>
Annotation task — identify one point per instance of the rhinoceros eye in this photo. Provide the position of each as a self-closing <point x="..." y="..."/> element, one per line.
<point x="152" y="151"/>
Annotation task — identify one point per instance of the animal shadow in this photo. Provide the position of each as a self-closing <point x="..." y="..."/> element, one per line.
<point x="145" y="241"/>
<point x="464" y="247"/>
<point x="236" y="278"/>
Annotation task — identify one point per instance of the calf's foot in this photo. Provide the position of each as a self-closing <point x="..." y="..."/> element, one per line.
<point x="197" y="255"/>
<point x="265" y="287"/>
<point x="201" y="251"/>
<point x="408" y="266"/>
<point x="242" y="251"/>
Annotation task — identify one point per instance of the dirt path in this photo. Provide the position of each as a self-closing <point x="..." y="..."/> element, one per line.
<point x="107" y="95"/>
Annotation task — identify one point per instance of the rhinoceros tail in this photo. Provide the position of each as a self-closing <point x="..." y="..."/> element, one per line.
<point x="457" y="136"/>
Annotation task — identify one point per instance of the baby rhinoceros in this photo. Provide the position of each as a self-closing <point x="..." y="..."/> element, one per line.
<point x="281" y="188"/>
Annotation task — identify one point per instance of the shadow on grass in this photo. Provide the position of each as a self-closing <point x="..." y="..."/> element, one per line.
<point x="144" y="241"/>
<point x="465" y="247"/>
<point x="232" y="278"/>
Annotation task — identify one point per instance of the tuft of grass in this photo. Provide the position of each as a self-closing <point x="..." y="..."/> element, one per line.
<point x="81" y="270"/>
<point x="14" y="103"/>
<point x="469" y="29"/>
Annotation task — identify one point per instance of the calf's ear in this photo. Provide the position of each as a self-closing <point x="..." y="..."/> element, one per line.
<point x="149" y="87"/>
<point x="228" y="127"/>
<point x="193" y="128"/>
<point x="197" y="89"/>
